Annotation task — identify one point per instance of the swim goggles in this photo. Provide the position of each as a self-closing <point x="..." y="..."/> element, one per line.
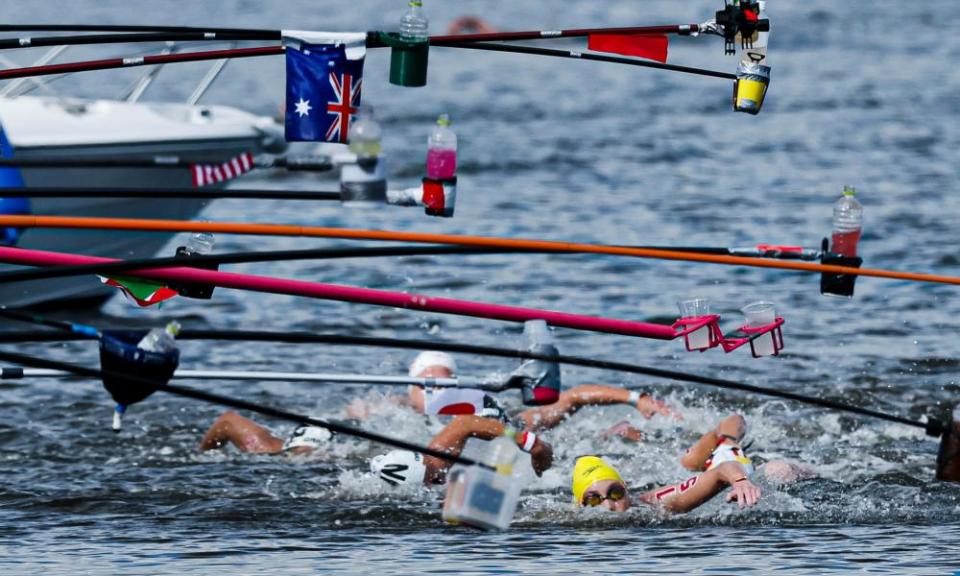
<point x="616" y="493"/>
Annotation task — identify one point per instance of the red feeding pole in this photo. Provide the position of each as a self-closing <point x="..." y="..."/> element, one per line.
<point x="110" y="63"/>
<point x="354" y="294"/>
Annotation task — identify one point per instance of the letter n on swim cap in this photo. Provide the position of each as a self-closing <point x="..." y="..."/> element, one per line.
<point x="399" y="467"/>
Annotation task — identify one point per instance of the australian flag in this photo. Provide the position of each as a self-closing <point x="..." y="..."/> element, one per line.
<point x="323" y="92"/>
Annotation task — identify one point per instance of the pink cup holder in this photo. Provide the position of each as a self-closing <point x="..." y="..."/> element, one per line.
<point x="700" y="333"/>
<point x="750" y="335"/>
<point x="697" y="341"/>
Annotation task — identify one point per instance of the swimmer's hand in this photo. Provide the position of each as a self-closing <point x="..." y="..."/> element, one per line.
<point x="541" y="456"/>
<point x="650" y="406"/>
<point x="624" y="430"/>
<point x="359" y="409"/>
<point x="744" y="492"/>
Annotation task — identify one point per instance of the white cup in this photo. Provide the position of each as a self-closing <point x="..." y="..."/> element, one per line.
<point x="692" y="308"/>
<point x="757" y="315"/>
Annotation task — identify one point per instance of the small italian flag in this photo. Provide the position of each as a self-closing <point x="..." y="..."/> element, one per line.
<point x="142" y="292"/>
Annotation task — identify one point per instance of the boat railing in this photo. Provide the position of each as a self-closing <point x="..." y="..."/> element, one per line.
<point x="10" y="90"/>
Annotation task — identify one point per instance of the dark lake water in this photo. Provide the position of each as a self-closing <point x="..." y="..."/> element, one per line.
<point x="863" y="94"/>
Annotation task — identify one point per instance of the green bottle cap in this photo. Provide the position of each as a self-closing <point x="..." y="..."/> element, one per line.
<point x="849" y="191"/>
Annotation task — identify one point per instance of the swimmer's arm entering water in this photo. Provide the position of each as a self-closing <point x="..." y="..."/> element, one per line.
<point x="733" y="426"/>
<point x="453" y="438"/>
<point x="245" y="434"/>
<point x="361" y="409"/>
<point x="697" y="490"/>
<point x="546" y="417"/>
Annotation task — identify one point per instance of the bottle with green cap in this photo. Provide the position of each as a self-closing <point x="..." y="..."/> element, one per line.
<point x="442" y="151"/>
<point x="847" y="224"/>
<point x="414" y="25"/>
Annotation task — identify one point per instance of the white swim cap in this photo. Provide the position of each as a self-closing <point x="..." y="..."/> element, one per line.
<point x="309" y="436"/>
<point x="429" y="358"/>
<point x="399" y="468"/>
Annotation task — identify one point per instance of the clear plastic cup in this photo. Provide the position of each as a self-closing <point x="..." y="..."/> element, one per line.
<point x="693" y="308"/>
<point x="757" y="315"/>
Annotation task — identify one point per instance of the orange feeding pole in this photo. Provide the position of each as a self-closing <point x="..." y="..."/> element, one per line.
<point x="458" y="240"/>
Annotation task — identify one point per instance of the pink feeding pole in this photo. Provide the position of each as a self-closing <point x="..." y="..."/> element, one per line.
<point x="182" y="275"/>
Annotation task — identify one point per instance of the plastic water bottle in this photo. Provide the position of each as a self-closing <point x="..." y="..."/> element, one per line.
<point x="160" y="340"/>
<point x="847" y="224"/>
<point x="364" y="183"/>
<point x="503" y="452"/>
<point x="200" y="243"/>
<point x="485" y="498"/>
<point x="414" y="25"/>
<point x="758" y="53"/>
<point x="442" y="151"/>
<point x="365" y="134"/>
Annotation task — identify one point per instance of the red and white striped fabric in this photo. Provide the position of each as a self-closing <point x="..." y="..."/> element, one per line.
<point x="206" y="174"/>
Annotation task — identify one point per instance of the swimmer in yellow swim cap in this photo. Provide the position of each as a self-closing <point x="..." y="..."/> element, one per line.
<point x="717" y="455"/>
<point x="596" y="483"/>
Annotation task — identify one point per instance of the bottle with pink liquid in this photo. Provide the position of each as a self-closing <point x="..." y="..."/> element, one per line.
<point x="442" y="151"/>
<point x="847" y="224"/>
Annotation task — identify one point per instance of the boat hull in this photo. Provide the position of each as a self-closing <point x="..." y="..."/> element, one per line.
<point x="206" y="147"/>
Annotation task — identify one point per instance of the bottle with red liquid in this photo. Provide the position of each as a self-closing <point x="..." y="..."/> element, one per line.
<point x="847" y="224"/>
<point x="442" y="151"/>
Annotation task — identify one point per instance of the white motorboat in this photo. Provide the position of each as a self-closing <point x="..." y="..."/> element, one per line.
<point x="38" y="128"/>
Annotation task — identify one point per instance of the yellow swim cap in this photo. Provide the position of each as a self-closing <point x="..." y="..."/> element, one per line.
<point x="589" y="470"/>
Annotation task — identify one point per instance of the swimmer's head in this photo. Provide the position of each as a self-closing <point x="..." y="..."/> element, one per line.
<point x="399" y="468"/>
<point x="433" y="364"/>
<point x="595" y="482"/>
<point x="308" y="438"/>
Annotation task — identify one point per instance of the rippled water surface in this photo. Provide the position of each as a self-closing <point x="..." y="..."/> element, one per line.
<point x="864" y="93"/>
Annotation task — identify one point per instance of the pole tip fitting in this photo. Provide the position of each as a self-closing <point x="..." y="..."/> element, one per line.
<point x="936" y="428"/>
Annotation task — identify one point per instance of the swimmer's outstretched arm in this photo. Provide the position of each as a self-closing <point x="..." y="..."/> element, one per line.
<point x="245" y="434"/>
<point x="697" y="490"/>
<point x="546" y="417"/>
<point x="361" y="409"/>
<point x="454" y="437"/>
<point x="733" y="426"/>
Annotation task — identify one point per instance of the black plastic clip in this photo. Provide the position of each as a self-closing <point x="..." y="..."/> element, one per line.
<point x="733" y="20"/>
<point x="837" y="284"/>
<point x="193" y="290"/>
